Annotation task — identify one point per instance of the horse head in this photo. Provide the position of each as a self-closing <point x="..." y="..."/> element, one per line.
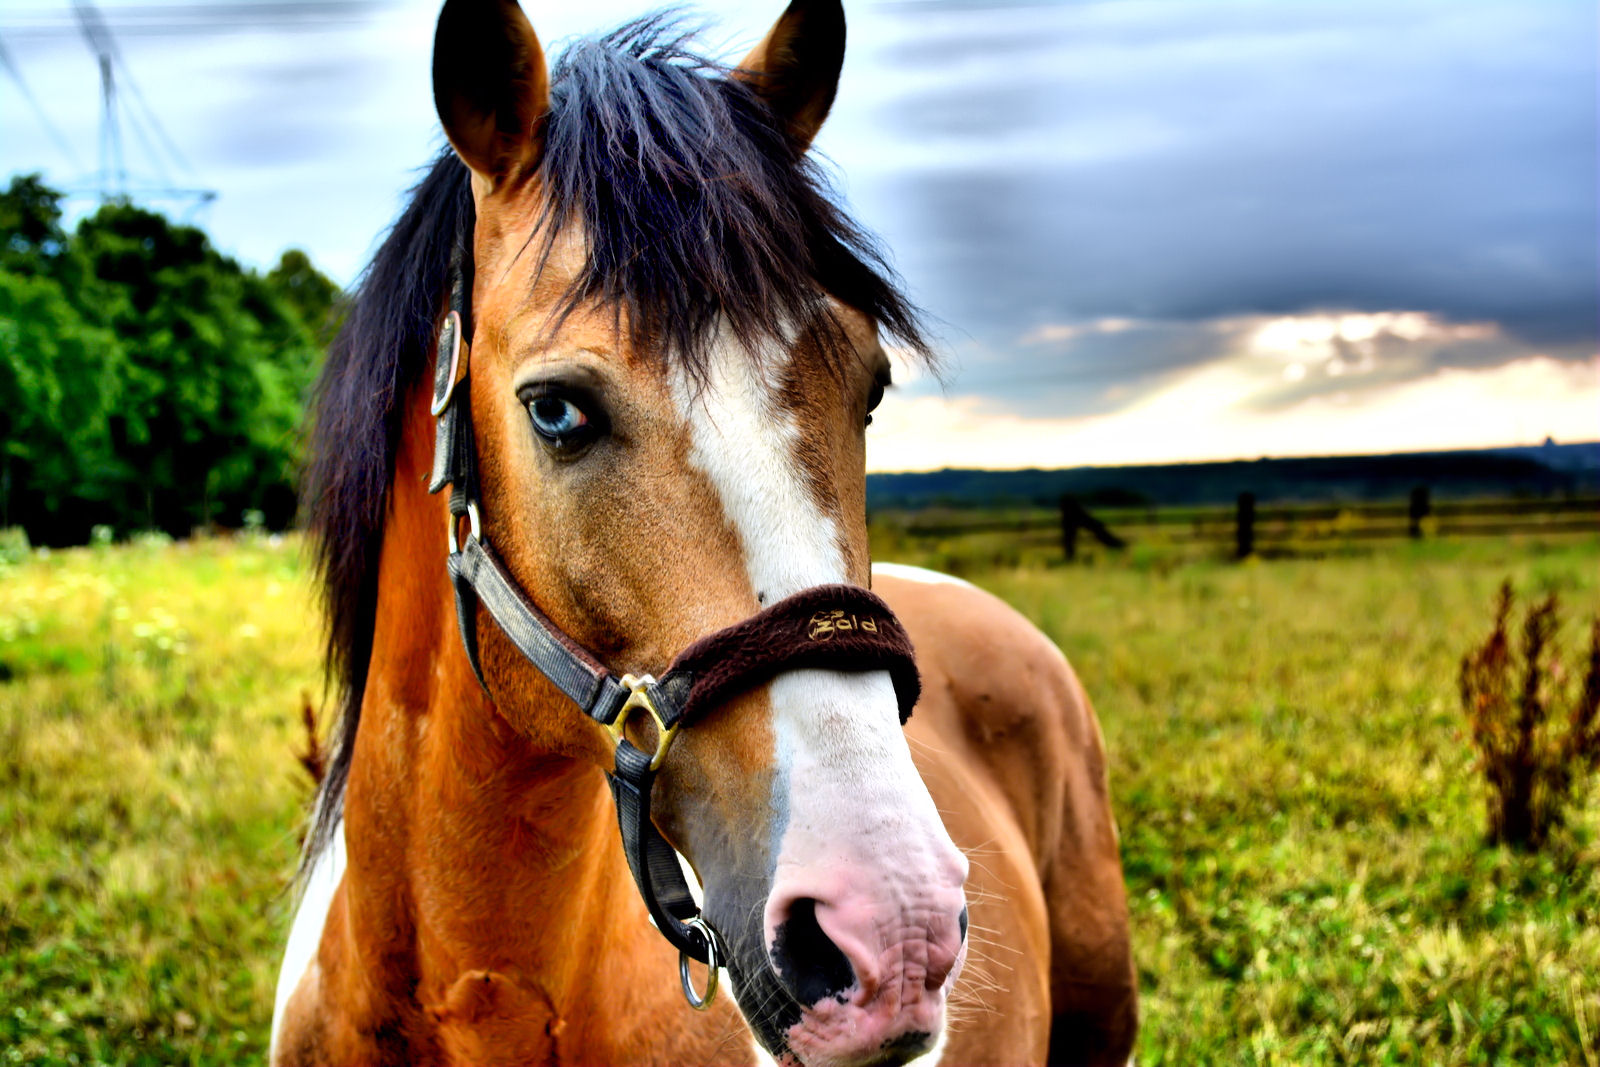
<point x="674" y="355"/>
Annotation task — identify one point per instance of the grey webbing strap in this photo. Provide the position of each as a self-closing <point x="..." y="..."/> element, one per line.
<point x="575" y="673"/>
<point x="454" y="459"/>
<point x="453" y="456"/>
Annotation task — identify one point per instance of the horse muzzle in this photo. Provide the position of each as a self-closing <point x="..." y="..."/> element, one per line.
<point x="869" y="966"/>
<point x="864" y="923"/>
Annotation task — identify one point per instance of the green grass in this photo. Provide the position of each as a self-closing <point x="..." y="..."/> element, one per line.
<point x="1302" y="825"/>
<point x="148" y="798"/>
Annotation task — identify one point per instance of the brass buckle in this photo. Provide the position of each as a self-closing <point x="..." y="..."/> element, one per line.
<point x="639" y="697"/>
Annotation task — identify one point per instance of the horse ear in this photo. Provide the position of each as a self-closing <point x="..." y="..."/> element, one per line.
<point x="490" y="86"/>
<point x="796" y="66"/>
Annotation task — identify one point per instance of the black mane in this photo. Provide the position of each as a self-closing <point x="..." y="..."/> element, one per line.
<point x="696" y="211"/>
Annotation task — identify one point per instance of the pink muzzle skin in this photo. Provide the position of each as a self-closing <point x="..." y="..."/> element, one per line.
<point x="870" y="951"/>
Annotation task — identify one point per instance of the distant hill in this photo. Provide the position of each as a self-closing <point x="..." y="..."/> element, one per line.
<point x="1540" y="470"/>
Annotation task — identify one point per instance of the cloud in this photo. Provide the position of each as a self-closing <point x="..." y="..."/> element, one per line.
<point x="1081" y="368"/>
<point x="1363" y="352"/>
<point x="1211" y="413"/>
<point x="1058" y="333"/>
<point x="1111" y="363"/>
<point x="1186" y="162"/>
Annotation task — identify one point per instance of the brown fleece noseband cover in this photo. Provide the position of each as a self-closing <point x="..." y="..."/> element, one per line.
<point x="826" y="627"/>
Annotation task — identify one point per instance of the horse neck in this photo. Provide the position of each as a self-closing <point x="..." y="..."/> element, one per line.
<point x="470" y="851"/>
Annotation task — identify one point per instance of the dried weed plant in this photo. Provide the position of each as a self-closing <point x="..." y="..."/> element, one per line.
<point x="1534" y="765"/>
<point x="315" y="757"/>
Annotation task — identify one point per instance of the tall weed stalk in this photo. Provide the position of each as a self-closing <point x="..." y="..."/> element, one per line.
<point x="1534" y="765"/>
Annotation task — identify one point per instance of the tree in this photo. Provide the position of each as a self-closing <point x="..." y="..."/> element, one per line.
<point x="151" y="380"/>
<point x="57" y="384"/>
<point x="314" y="298"/>
<point x="30" y="220"/>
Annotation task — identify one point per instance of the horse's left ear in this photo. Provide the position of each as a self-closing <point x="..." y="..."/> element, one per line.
<point x="491" y="87"/>
<point x="796" y="66"/>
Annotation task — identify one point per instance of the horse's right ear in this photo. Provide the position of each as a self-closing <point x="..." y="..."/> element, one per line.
<point x="491" y="87"/>
<point x="796" y="66"/>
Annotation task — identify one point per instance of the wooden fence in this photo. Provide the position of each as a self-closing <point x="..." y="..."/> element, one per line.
<point x="1283" y="529"/>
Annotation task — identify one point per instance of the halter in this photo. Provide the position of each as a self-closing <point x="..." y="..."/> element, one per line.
<point x="829" y="627"/>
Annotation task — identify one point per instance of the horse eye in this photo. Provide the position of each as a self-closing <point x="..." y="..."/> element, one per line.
<point x="874" y="398"/>
<point x="562" y="423"/>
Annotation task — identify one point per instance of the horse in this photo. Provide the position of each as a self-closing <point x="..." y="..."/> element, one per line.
<point x="625" y="322"/>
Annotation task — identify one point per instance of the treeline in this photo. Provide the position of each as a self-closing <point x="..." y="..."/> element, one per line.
<point x="146" y="380"/>
<point x="1548" y="470"/>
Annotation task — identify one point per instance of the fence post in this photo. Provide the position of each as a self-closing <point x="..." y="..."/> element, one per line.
<point x="1245" y="532"/>
<point x="1420" y="509"/>
<point x="1071" y="519"/>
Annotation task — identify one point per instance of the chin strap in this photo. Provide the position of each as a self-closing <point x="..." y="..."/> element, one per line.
<point x="828" y="627"/>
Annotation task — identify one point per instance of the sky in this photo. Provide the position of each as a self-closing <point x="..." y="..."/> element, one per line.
<point x="1145" y="230"/>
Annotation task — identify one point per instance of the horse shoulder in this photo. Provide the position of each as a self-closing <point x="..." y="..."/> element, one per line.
<point x="1011" y="749"/>
<point x="998" y="693"/>
<point x="326" y="1009"/>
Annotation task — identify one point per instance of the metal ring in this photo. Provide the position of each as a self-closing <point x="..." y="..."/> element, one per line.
<point x="697" y="1002"/>
<point x="474" y="530"/>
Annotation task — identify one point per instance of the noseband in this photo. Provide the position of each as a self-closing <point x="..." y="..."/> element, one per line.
<point x="826" y="627"/>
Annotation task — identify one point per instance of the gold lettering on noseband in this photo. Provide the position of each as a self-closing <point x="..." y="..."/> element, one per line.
<point x="824" y="624"/>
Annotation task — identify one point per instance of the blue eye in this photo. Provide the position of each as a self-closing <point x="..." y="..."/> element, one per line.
<point x="557" y="419"/>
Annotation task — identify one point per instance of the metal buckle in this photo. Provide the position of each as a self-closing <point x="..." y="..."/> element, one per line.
<point x="696" y="1001"/>
<point x="639" y="697"/>
<point x="473" y="527"/>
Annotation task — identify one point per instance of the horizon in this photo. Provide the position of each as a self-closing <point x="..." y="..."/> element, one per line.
<point x="1223" y="461"/>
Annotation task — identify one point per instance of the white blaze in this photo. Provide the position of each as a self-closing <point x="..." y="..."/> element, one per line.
<point x="844" y="769"/>
<point x="743" y="440"/>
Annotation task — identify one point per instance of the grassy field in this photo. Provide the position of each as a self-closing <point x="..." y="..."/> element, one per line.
<point x="1302" y="825"/>
<point x="149" y="798"/>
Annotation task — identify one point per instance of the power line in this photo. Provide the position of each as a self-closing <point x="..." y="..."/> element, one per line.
<point x="176" y="20"/>
<point x="113" y="172"/>
<point x="38" y="109"/>
<point x="87" y="10"/>
<point x="142" y="120"/>
<point x="143" y="135"/>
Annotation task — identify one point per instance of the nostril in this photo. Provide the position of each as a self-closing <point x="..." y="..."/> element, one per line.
<point x="963" y="921"/>
<point x="808" y="963"/>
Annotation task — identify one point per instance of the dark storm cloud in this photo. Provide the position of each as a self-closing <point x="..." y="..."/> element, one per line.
<point x="1181" y="162"/>
<point x="1102" y="369"/>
